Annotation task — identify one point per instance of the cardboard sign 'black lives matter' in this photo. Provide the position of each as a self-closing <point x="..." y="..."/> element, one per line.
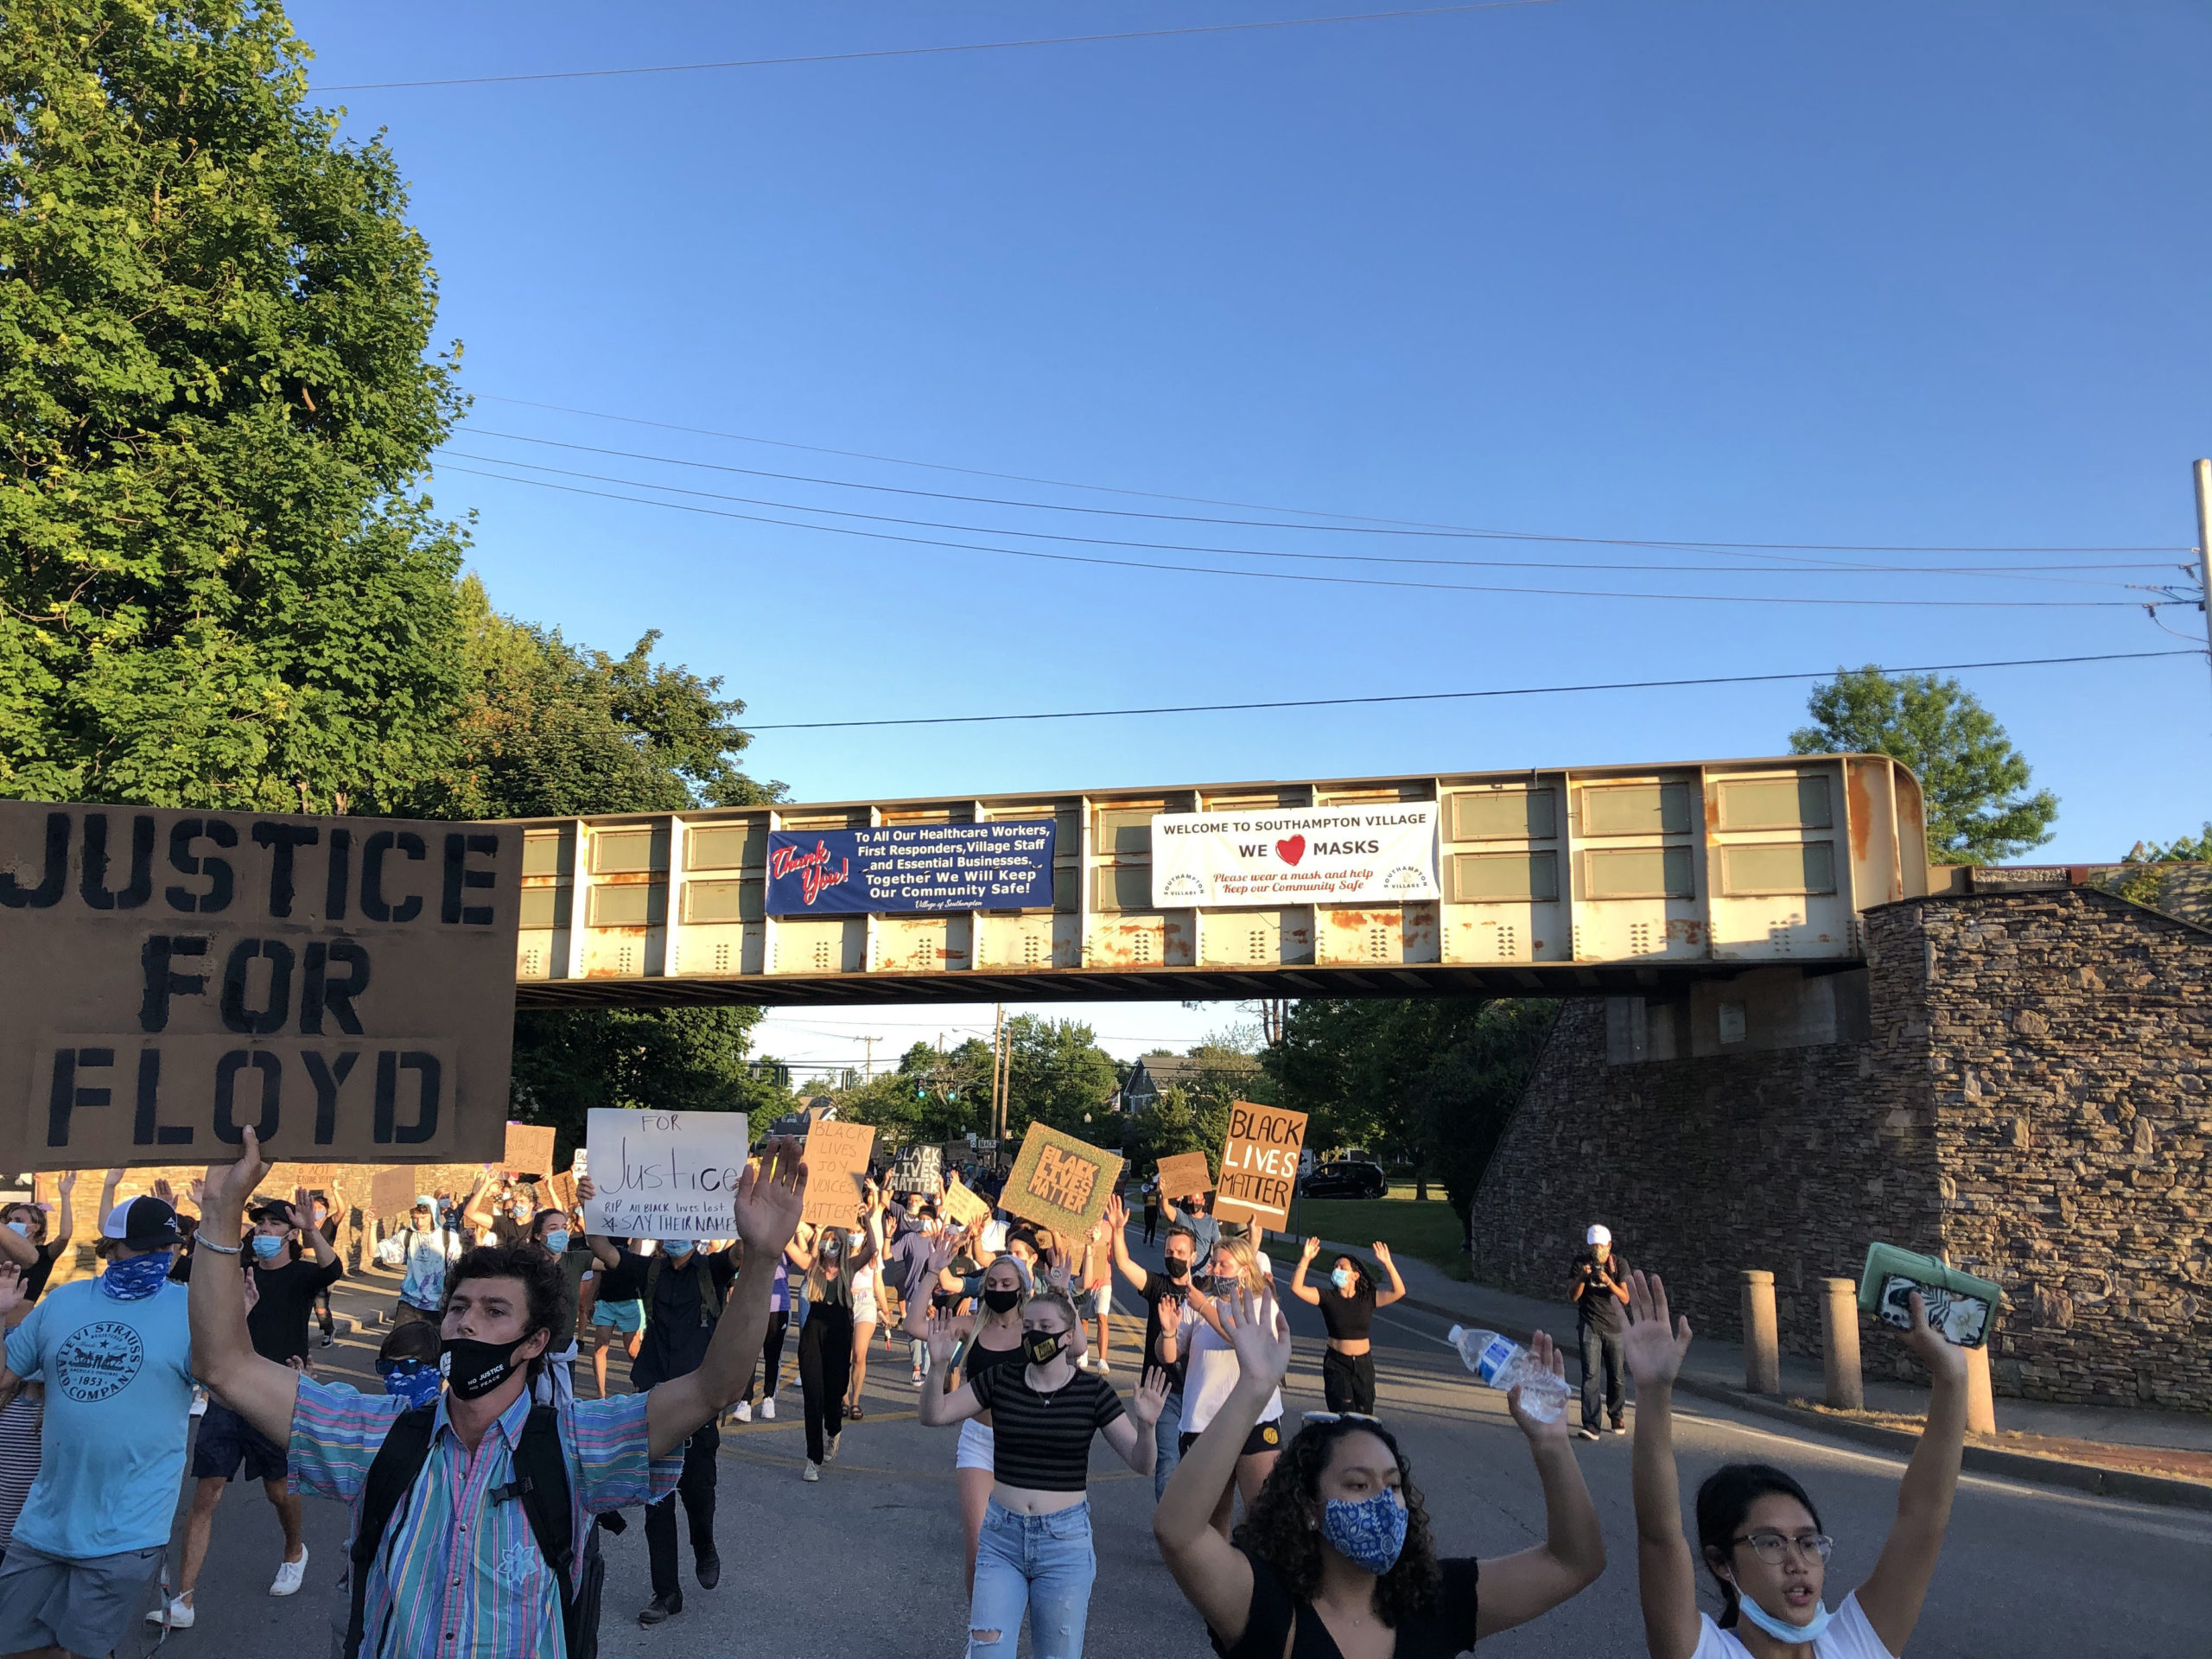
<point x="344" y="987"/>
<point x="920" y="1169"/>
<point x="1060" y="1182"/>
<point x="1259" y="1164"/>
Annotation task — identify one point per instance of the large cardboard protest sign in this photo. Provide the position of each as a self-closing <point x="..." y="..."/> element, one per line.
<point x="1259" y="1164"/>
<point x="664" y="1174"/>
<point x="836" y="1171"/>
<point x="920" y="1169"/>
<point x="392" y="1192"/>
<point x="1060" y="1182"/>
<point x="963" y="1208"/>
<point x="345" y="987"/>
<point x="529" y="1148"/>
<point x="1184" y="1175"/>
<point x="1362" y="853"/>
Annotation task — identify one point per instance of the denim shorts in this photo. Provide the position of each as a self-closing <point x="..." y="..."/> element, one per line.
<point x="623" y="1316"/>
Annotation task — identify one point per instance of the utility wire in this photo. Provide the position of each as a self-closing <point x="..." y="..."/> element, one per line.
<point x="1300" y="576"/>
<point x="1307" y="513"/>
<point x="942" y="51"/>
<point x="1447" y="697"/>
<point x="1199" y="518"/>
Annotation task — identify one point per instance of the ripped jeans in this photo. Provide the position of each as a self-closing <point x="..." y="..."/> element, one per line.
<point x="1042" y="1563"/>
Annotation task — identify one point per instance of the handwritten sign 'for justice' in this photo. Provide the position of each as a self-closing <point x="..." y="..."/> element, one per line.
<point x="1060" y="1182"/>
<point x="664" y="1174"/>
<point x="343" y="986"/>
<point x="1259" y="1164"/>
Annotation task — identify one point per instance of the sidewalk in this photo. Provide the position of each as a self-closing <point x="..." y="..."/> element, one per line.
<point x="2159" y="1456"/>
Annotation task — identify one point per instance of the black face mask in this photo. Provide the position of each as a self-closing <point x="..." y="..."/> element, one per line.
<point x="1178" y="1268"/>
<point x="473" y="1368"/>
<point x="1001" y="1301"/>
<point x="1043" y="1347"/>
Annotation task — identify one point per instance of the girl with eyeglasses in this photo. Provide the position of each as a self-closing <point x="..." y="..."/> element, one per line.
<point x="1334" y="1560"/>
<point x="1759" y="1531"/>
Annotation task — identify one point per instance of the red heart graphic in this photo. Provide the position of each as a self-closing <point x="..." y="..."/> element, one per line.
<point x="1292" y="850"/>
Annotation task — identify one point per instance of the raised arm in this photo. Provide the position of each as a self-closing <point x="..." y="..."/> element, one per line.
<point x="303" y="1218"/>
<point x="260" y="1390"/>
<point x="602" y="1249"/>
<point x="16" y="1249"/>
<point x="938" y="1406"/>
<point x="1130" y="1434"/>
<point x="1518" y="1588"/>
<point x="770" y="1197"/>
<point x="1117" y="1220"/>
<point x="477" y="1212"/>
<point x="1215" y="1577"/>
<point x="11" y="1297"/>
<point x="1299" y="1288"/>
<point x="799" y="1250"/>
<point x="1397" y="1293"/>
<point x="65" y="1220"/>
<point x="914" y="1321"/>
<point x="1665" y="1572"/>
<point x="1891" y="1596"/>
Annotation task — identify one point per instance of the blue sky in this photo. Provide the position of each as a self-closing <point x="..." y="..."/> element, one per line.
<point x="1927" y="274"/>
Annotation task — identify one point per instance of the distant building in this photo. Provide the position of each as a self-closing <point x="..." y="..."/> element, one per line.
<point x="1157" y="1073"/>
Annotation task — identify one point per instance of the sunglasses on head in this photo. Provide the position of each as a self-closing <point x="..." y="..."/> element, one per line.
<point x="1344" y="1417"/>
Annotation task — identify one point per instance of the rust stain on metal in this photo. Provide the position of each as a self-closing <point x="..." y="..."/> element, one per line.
<point x="1688" y="930"/>
<point x="1862" y="810"/>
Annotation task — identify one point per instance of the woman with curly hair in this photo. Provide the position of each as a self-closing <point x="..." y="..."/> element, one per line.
<point x="1336" y="1559"/>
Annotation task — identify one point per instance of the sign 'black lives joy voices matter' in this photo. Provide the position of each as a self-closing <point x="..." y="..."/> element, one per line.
<point x="344" y="987"/>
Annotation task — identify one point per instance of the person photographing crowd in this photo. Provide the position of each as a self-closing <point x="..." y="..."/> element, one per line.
<point x="1335" y="1558"/>
<point x="1600" y="1289"/>
<point x="1348" y="1311"/>
<point x="444" y="1566"/>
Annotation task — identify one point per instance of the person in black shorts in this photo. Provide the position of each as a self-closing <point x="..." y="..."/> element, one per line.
<point x="1036" y="1555"/>
<point x="1340" y="1535"/>
<point x="281" y="1294"/>
<point x="1348" y="1309"/>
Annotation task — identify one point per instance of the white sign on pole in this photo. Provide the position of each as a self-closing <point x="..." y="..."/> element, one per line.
<point x="1374" y="853"/>
<point x="664" y="1174"/>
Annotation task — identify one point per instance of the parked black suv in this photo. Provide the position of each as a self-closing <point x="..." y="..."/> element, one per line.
<point x="1347" y="1179"/>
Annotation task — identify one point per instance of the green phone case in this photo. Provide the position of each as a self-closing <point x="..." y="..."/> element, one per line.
<point x="1961" y="1307"/>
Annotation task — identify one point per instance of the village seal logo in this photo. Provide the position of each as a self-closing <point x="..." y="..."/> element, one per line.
<point x="98" y="1361"/>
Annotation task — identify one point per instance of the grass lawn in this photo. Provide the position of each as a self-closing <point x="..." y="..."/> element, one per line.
<point x="1428" y="1230"/>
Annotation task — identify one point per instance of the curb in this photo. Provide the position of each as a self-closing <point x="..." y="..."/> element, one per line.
<point x="2090" y="1478"/>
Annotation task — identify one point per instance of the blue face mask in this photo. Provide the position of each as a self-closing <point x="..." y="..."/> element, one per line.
<point x="141" y="1276"/>
<point x="675" y="1249"/>
<point x="1341" y="1277"/>
<point x="557" y="1240"/>
<point x="266" y="1247"/>
<point x="411" y="1380"/>
<point x="1368" y="1533"/>
<point x="21" y="1227"/>
<point x="1780" y="1630"/>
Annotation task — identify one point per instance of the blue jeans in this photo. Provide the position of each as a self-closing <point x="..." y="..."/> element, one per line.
<point x="1167" y="1444"/>
<point x="1602" y="1350"/>
<point x="1042" y="1564"/>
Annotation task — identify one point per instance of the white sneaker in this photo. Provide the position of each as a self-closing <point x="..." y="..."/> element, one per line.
<point x="768" y="1409"/>
<point x="741" y="1412"/>
<point x="289" y="1574"/>
<point x="830" y="1451"/>
<point x="918" y="1376"/>
<point x="812" y="1471"/>
<point x="199" y="1401"/>
<point x="1105" y="1370"/>
<point x="177" y="1616"/>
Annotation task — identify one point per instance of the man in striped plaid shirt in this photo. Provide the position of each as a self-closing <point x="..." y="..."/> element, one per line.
<point x="458" y="1574"/>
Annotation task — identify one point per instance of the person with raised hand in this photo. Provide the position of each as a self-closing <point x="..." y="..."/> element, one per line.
<point x="442" y="1563"/>
<point x="1336" y="1557"/>
<point x="1348" y="1310"/>
<point x="1759" y="1532"/>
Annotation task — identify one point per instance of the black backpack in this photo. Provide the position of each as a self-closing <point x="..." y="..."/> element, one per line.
<point x="541" y="1483"/>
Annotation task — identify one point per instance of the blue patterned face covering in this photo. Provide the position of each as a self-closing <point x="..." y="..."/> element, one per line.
<point x="1368" y="1533"/>
<point x="1780" y="1630"/>
<point x="141" y="1276"/>
<point x="411" y="1380"/>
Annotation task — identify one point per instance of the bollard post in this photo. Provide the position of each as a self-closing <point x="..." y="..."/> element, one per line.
<point x="1982" y="1405"/>
<point x="1762" y="1347"/>
<point x="1840" y="1345"/>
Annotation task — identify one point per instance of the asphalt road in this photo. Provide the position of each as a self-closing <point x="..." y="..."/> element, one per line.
<point x="867" y="1562"/>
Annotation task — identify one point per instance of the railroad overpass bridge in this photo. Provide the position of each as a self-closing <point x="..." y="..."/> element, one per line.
<point x="1636" y="881"/>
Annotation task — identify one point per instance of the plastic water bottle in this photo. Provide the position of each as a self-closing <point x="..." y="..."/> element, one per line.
<point x="1504" y="1364"/>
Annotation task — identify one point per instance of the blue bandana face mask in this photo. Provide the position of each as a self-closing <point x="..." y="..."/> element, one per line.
<point x="1780" y="1630"/>
<point x="411" y="1380"/>
<point x="266" y="1247"/>
<point x="1368" y="1533"/>
<point x="139" y="1277"/>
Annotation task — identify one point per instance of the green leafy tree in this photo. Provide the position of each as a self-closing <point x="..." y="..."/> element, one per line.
<point x="221" y="585"/>
<point x="1460" y="1102"/>
<point x="1974" y="781"/>
<point x="1182" y="1120"/>
<point x="1055" y="1072"/>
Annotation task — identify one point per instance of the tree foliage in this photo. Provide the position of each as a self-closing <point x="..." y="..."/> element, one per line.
<point x="1973" y="779"/>
<point x="1055" y="1072"/>
<point x="221" y="587"/>
<point x="1460" y="1104"/>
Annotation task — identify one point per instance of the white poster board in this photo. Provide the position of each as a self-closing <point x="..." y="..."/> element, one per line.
<point x="1373" y="853"/>
<point x="664" y="1174"/>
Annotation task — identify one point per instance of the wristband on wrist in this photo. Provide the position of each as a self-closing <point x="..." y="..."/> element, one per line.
<point x="219" y="1249"/>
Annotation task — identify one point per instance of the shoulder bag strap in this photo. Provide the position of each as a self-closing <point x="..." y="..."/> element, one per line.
<point x="398" y="1464"/>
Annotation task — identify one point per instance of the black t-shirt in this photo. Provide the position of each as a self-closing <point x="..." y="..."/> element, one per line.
<point x="278" y="1322"/>
<point x="40" y="1272"/>
<point x="1442" y="1630"/>
<point x="625" y="1283"/>
<point x="1349" y="1317"/>
<point x="1043" y="1440"/>
<point x="1158" y="1286"/>
<point x="507" y="1232"/>
<point x="678" y="1326"/>
<point x="1598" y="1306"/>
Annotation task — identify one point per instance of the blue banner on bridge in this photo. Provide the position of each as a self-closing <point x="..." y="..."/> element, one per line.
<point x="911" y="867"/>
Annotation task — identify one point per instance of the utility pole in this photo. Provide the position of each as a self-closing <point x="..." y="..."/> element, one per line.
<point x="871" y="1042"/>
<point x="2204" y="540"/>
<point x="998" y="1053"/>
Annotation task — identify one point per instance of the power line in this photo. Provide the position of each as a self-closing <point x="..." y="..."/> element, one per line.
<point x="1409" y="524"/>
<point x="1307" y="576"/>
<point x="1178" y="518"/>
<point x="939" y="51"/>
<point x="1447" y="697"/>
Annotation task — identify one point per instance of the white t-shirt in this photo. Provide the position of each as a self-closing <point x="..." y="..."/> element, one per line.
<point x="1211" y="1375"/>
<point x="1848" y="1637"/>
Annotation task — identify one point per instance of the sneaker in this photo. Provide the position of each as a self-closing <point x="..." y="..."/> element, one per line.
<point x="199" y="1401"/>
<point x="812" y="1471"/>
<point x="1620" y="1428"/>
<point x="830" y="1451"/>
<point x="1585" y="1434"/>
<point x="768" y="1409"/>
<point x="741" y="1412"/>
<point x="918" y="1376"/>
<point x="1105" y="1370"/>
<point x="328" y="1337"/>
<point x="288" y="1574"/>
<point x="177" y="1616"/>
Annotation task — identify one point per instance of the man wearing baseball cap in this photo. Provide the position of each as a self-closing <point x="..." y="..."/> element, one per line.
<point x="115" y="1354"/>
<point x="1600" y="1292"/>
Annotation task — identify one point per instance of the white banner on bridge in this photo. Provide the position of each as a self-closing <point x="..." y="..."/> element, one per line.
<point x="1374" y="853"/>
